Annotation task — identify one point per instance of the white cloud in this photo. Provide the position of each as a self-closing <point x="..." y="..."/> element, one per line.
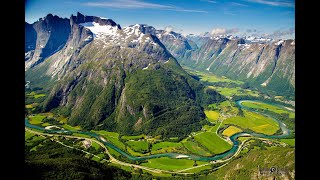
<point x="238" y="4"/>
<point x="282" y="33"/>
<point x="285" y="3"/>
<point x="209" y="1"/>
<point x="168" y="29"/>
<point x="218" y="31"/>
<point x="139" y="4"/>
<point x="223" y="31"/>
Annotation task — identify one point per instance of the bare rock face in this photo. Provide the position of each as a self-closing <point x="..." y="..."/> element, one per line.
<point x="270" y="65"/>
<point x="264" y="63"/>
<point x="51" y="35"/>
<point x="31" y="37"/>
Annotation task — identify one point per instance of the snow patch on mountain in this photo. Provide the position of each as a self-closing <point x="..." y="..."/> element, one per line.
<point x="293" y="43"/>
<point x="103" y="18"/>
<point x="146" y="67"/>
<point x="279" y="42"/>
<point x="244" y="46"/>
<point x="131" y="35"/>
<point x="99" y="30"/>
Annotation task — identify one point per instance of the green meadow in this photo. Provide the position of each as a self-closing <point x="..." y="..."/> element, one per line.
<point x="209" y="77"/>
<point x="107" y="134"/>
<point x="255" y="122"/>
<point x="35" y="95"/>
<point x="165" y="144"/>
<point x="138" y="146"/>
<point x="231" y="130"/>
<point x="166" y="163"/>
<point x="264" y="106"/>
<point x="291" y="142"/>
<point x="194" y="148"/>
<point x="95" y="145"/>
<point x="212" y="115"/>
<point x="195" y="170"/>
<point x="36" y="119"/>
<point x="28" y="135"/>
<point x="238" y="91"/>
<point x="72" y="128"/>
<point x="212" y="142"/>
<point x="142" y="136"/>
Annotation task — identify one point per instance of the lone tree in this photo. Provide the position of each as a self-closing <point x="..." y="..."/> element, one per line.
<point x="195" y="163"/>
<point x="240" y="112"/>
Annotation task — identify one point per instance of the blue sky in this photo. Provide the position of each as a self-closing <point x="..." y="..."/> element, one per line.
<point x="271" y="18"/>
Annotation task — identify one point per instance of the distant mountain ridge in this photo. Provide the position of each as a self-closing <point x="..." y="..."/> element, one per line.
<point x="263" y="62"/>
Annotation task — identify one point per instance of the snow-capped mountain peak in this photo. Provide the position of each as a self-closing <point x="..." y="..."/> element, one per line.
<point x="100" y="30"/>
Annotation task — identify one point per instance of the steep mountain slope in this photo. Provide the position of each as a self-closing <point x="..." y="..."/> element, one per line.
<point x="178" y="45"/>
<point x="51" y="35"/>
<point x="199" y="39"/>
<point x="120" y="79"/>
<point x="264" y="63"/>
<point x="255" y="165"/>
<point x="270" y="65"/>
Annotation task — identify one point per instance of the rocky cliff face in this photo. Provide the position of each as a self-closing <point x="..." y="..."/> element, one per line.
<point x="265" y="64"/>
<point x="176" y="43"/>
<point x="51" y="35"/>
<point x="199" y="39"/>
<point x="120" y="79"/>
<point x="270" y="65"/>
<point x="31" y="37"/>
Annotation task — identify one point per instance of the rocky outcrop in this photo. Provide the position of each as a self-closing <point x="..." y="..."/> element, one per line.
<point x="31" y="37"/>
<point x="52" y="33"/>
<point x="80" y="18"/>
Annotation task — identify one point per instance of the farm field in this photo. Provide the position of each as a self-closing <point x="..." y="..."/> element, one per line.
<point x="107" y="133"/>
<point x="243" y="138"/>
<point x="231" y="130"/>
<point x="206" y="167"/>
<point x="115" y="141"/>
<point x="138" y="146"/>
<point x="255" y="122"/>
<point x="95" y="145"/>
<point x="264" y="106"/>
<point x="209" y="77"/>
<point x="238" y="91"/>
<point x="290" y="142"/>
<point x="30" y="106"/>
<point x="142" y="136"/>
<point x="35" y="95"/>
<point x="212" y="142"/>
<point x="212" y="115"/>
<point x="36" y="119"/>
<point x="165" y="144"/>
<point x="194" y="148"/>
<point x="171" y="164"/>
<point x="28" y="135"/>
<point x="72" y="128"/>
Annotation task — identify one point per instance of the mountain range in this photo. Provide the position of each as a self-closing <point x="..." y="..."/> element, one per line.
<point x="129" y="79"/>
<point x="264" y="63"/>
<point x="104" y="76"/>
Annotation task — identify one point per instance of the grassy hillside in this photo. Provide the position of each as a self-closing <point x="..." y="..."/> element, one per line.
<point x="50" y="160"/>
<point x="246" y="167"/>
<point x="105" y="95"/>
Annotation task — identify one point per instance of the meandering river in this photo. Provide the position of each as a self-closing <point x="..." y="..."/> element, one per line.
<point x="225" y="155"/>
